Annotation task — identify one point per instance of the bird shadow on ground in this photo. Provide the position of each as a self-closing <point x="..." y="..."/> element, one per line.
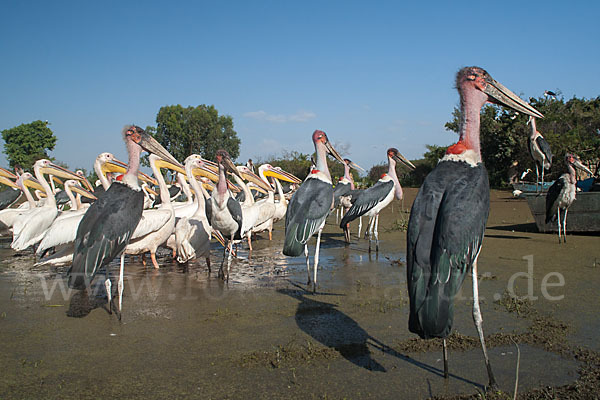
<point x="336" y="330"/>
<point x="528" y="228"/>
<point x="332" y="240"/>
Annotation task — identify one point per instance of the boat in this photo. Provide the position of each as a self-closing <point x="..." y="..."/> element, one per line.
<point x="583" y="215"/>
<point x="530" y="187"/>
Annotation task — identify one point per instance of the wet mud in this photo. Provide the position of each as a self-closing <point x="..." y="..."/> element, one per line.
<point x="264" y="334"/>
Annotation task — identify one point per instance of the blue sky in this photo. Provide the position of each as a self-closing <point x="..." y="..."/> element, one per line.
<point x="371" y="74"/>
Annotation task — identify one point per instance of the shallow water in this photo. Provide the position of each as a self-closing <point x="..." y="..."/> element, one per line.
<point x="185" y="333"/>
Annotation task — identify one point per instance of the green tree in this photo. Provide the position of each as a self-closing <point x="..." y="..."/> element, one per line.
<point x="570" y="126"/>
<point x="195" y="130"/>
<point x="27" y="143"/>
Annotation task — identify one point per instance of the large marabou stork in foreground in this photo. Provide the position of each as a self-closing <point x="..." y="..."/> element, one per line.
<point x="376" y="198"/>
<point x="224" y="212"/>
<point x="562" y="194"/>
<point x="310" y="205"/>
<point x="540" y="152"/>
<point x="448" y="217"/>
<point x="107" y="226"/>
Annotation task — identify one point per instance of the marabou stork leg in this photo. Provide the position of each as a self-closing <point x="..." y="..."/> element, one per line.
<point x="537" y="179"/>
<point x="445" y="352"/>
<point x="359" y="225"/>
<point x="376" y="234"/>
<point x="229" y="257"/>
<point x="370" y="230"/>
<point x="108" y="286"/>
<point x="221" y="274"/>
<point x="565" y="226"/>
<point x="249" y="240"/>
<point x="479" y="325"/>
<point x="307" y="263"/>
<point x="317" y="260"/>
<point x="337" y="215"/>
<point x="542" y="189"/>
<point x="120" y="285"/>
<point x="558" y="221"/>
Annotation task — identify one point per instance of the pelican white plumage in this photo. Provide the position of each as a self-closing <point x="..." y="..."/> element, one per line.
<point x="193" y="234"/>
<point x="31" y="225"/>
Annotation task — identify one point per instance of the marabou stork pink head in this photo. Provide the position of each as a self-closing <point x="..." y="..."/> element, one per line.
<point x="476" y="83"/>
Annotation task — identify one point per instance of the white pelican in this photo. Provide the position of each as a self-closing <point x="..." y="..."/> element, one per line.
<point x="30" y="225"/>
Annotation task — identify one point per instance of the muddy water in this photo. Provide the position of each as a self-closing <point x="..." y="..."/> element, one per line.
<point x="184" y="333"/>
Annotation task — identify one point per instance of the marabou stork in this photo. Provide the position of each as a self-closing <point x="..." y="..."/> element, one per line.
<point x="376" y="198"/>
<point x="223" y="211"/>
<point x="562" y="194"/>
<point x="107" y="226"/>
<point x="344" y="186"/>
<point x="448" y="217"/>
<point x="540" y="152"/>
<point x="30" y="225"/>
<point x="310" y="205"/>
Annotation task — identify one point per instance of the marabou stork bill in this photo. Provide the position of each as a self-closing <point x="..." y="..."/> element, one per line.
<point x="448" y="217"/>
<point x="376" y="198"/>
<point x="562" y="193"/>
<point x="107" y="226"/>
<point x="310" y="205"/>
<point x="540" y="152"/>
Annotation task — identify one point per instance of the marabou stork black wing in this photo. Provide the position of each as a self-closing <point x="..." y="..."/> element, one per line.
<point x="445" y="232"/>
<point x="341" y="189"/>
<point x="235" y="209"/>
<point x="8" y="197"/>
<point x="62" y="198"/>
<point x="552" y="198"/>
<point x="104" y="232"/>
<point x="307" y="210"/>
<point x="368" y="199"/>
<point x="545" y="148"/>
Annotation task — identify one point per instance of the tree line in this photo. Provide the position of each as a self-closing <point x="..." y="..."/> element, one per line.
<point x="568" y="126"/>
